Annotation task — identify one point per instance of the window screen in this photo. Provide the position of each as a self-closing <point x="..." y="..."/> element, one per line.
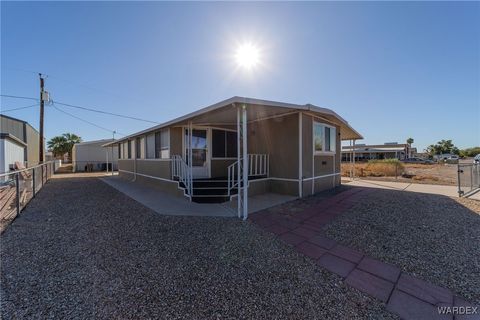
<point x="327" y="139"/>
<point x="138" y="153"/>
<point x="231" y="144"/>
<point x="151" y="146"/>
<point x="224" y="144"/>
<point x="318" y="136"/>
<point x="218" y="144"/>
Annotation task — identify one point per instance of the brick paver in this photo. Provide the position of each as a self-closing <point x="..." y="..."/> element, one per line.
<point x="336" y="265"/>
<point x="424" y="290"/>
<point x="311" y="250"/>
<point x="381" y="269"/>
<point x="292" y="238"/>
<point x="368" y="283"/>
<point x="409" y="307"/>
<point x="347" y="253"/>
<point x="405" y="295"/>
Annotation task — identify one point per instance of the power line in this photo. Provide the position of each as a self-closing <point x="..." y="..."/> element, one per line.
<point x="18" y="97"/>
<point x="105" y="112"/>
<point x="86" y="121"/>
<point x="8" y="110"/>
<point x="84" y="108"/>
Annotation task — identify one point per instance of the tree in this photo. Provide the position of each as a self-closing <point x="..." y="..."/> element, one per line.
<point x="410" y="141"/>
<point x="470" y="152"/>
<point x="441" y="147"/>
<point x="57" y="145"/>
<point x="63" y="144"/>
<point x="71" y="139"/>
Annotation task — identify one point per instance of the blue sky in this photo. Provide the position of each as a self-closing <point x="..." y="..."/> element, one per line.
<point x="393" y="70"/>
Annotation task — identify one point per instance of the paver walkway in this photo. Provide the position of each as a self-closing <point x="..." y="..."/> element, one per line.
<point x="405" y="295"/>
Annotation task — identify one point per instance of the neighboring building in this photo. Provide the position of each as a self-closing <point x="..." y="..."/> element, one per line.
<point x="17" y="131"/>
<point x="91" y="156"/>
<point x="291" y="149"/>
<point x="12" y="150"/>
<point x="388" y="150"/>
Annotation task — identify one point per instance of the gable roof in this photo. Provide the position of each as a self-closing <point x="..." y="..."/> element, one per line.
<point x="267" y="105"/>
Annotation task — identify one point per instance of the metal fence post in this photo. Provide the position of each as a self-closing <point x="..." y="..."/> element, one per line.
<point x="459" y="171"/>
<point x="17" y="180"/>
<point x="471" y="178"/>
<point x="33" y="181"/>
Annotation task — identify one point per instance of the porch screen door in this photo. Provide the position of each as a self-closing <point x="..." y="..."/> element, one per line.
<point x="200" y="164"/>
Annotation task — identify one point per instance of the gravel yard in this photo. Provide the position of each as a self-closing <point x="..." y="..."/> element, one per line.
<point x="434" y="237"/>
<point x="81" y="249"/>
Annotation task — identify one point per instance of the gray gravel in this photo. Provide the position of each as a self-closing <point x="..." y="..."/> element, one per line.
<point x="434" y="237"/>
<point x="83" y="250"/>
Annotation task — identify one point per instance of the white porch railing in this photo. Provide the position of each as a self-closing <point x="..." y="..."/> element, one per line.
<point x="181" y="171"/>
<point x="258" y="165"/>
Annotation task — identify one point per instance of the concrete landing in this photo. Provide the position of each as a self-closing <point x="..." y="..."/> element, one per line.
<point x="167" y="204"/>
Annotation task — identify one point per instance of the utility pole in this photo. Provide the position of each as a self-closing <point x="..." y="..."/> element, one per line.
<point x="41" y="146"/>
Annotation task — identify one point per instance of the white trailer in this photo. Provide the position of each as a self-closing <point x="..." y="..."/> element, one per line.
<point x="91" y="156"/>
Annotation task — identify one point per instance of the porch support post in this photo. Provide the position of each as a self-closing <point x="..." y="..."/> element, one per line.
<point x="239" y="159"/>
<point x="245" y="162"/>
<point x="190" y="158"/>
<point x="300" y="155"/>
<point x="353" y="158"/>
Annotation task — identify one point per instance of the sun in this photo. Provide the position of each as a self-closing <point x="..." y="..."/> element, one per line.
<point x="247" y="56"/>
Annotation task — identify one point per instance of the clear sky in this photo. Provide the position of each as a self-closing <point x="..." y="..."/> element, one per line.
<point x="392" y="70"/>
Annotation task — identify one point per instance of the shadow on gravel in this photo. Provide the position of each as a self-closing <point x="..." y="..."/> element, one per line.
<point x="434" y="237"/>
<point x="81" y="249"/>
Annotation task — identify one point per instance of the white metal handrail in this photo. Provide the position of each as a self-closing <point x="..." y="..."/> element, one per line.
<point x="258" y="165"/>
<point x="232" y="181"/>
<point x="181" y="171"/>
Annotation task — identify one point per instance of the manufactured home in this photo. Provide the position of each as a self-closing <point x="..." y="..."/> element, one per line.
<point x="239" y="148"/>
<point x="91" y="156"/>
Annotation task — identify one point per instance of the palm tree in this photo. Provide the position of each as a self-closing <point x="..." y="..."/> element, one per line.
<point x="57" y="145"/>
<point x="71" y="139"/>
<point x="410" y="141"/>
<point x="63" y="144"/>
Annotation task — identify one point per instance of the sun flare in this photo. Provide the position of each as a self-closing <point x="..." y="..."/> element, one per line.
<point x="247" y="56"/>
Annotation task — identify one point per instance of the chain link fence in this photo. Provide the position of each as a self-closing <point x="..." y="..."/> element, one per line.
<point x="18" y="187"/>
<point x="468" y="178"/>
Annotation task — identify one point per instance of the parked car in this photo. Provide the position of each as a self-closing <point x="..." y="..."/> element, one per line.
<point x="418" y="160"/>
<point x="476" y="159"/>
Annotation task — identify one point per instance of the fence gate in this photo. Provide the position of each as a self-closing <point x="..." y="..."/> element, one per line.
<point x="468" y="178"/>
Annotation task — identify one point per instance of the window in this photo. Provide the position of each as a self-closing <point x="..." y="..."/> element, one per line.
<point x="224" y="144"/>
<point x="129" y="148"/>
<point x="162" y="144"/>
<point x="151" y="146"/>
<point x="120" y="151"/>
<point x="142" y="148"/>
<point x="324" y="138"/>
<point x="138" y="152"/>
<point x="124" y="149"/>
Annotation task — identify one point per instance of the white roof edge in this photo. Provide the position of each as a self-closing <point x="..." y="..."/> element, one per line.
<point x="233" y="100"/>
<point x="93" y="141"/>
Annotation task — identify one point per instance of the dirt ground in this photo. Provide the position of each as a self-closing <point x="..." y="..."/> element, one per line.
<point x="442" y="174"/>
